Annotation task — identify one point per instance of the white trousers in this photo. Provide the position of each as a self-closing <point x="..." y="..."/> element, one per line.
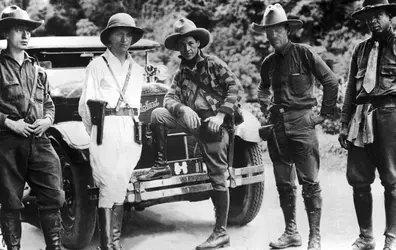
<point x="113" y="161"/>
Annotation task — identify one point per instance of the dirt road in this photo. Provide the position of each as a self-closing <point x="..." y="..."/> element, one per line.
<point x="183" y="225"/>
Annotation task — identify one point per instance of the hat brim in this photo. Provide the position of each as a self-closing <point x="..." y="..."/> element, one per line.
<point x="293" y="24"/>
<point x="201" y="34"/>
<point x="363" y="13"/>
<point x="137" y="34"/>
<point x="8" y="22"/>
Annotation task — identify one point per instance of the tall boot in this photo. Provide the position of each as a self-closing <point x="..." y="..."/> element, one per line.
<point x="118" y="214"/>
<point x="363" y="201"/>
<point x="313" y="205"/>
<point x="50" y="221"/>
<point x="11" y="228"/>
<point x="160" y="170"/>
<point x="219" y="237"/>
<point x="390" y="215"/>
<point x="291" y="237"/>
<point x="105" y="228"/>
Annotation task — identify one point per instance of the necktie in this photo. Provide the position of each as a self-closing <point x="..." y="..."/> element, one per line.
<point x="371" y="71"/>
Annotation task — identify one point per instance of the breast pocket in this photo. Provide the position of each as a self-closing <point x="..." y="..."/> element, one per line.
<point x="388" y="76"/>
<point x="40" y="92"/>
<point x="13" y="92"/>
<point x="299" y="83"/>
<point x="359" y="79"/>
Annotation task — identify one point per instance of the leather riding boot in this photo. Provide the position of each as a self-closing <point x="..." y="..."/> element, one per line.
<point x="313" y="205"/>
<point x="50" y="221"/>
<point x="118" y="214"/>
<point x="11" y="228"/>
<point x="219" y="237"/>
<point x="390" y="215"/>
<point x="363" y="201"/>
<point x="291" y="237"/>
<point x="160" y="170"/>
<point x="105" y="228"/>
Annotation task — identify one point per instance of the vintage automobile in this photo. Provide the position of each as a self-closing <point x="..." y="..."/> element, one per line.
<point x="65" y="59"/>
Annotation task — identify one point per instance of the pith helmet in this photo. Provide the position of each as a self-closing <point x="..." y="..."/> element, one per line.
<point x="183" y="28"/>
<point x="121" y="20"/>
<point x="274" y="15"/>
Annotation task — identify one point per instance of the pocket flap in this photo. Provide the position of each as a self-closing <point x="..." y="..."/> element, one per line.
<point x="388" y="70"/>
<point x="360" y="74"/>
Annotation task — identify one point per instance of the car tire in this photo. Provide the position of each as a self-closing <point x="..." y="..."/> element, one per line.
<point x="79" y="212"/>
<point x="245" y="201"/>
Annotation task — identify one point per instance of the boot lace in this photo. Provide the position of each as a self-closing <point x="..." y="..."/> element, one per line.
<point x="361" y="242"/>
<point x="389" y="242"/>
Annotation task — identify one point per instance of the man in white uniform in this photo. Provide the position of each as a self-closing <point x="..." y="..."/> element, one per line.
<point x="117" y="79"/>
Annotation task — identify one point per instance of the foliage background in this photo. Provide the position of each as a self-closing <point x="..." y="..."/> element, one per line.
<point x="328" y="27"/>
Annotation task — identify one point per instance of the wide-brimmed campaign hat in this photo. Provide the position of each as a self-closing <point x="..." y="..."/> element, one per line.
<point x="274" y="15"/>
<point x="121" y="20"/>
<point x="13" y="15"/>
<point x="183" y="28"/>
<point x="369" y="5"/>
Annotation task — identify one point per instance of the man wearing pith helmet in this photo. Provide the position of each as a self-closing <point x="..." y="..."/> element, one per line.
<point x="286" y="91"/>
<point x="203" y="96"/>
<point x="116" y="79"/>
<point x="26" y="154"/>
<point x="368" y="121"/>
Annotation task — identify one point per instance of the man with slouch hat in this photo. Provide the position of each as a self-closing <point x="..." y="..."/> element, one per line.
<point x="204" y="95"/>
<point x="368" y="121"/>
<point x="26" y="153"/>
<point x="113" y="85"/>
<point x="287" y="83"/>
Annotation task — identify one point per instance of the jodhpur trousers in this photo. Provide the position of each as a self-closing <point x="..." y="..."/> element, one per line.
<point x="31" y="160"/>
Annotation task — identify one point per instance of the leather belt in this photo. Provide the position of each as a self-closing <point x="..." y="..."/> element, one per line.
<point x="384" y="102"/>
<point x="121" y="112"/>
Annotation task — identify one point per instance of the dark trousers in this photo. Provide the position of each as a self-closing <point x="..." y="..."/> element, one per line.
<point x="381" y="155"/>
<point x="215" y="154"/>
<point x="32" y="160"/>
<point x="297" y="152"/>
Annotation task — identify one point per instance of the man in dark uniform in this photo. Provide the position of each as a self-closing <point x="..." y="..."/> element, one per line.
<point x="287" y="82"/>
<point x="26" y="154"/>
<point x="203" y="89"/>
<point x="369" y="118"/>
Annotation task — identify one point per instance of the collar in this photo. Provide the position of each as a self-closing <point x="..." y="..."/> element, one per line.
<point x="186" y="64"/>
<point x="388" y="34"/>
<point x="285" y="49"/>
<point x="114" y="60"/>
<point x="26" y="56"/>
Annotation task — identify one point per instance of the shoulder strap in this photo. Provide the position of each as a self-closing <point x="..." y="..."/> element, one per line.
<point x="34" y="87"/>
<point x="124" y="88"/>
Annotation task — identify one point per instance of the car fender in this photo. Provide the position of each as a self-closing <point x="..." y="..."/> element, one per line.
<point x="74" y="134"/>
<point x="248" y="130"/>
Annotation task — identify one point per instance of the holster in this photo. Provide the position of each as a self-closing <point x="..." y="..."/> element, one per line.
<point x="97" y="109"/>
<point x="138" y="131"/>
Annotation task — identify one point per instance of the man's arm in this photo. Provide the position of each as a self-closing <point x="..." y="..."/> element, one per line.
<point x="234" y="89"/>
<point x="328" y="79"/>
<point x="49" y="106"/>
<point x="172" y="100"/>
<point x="264" y="90"/>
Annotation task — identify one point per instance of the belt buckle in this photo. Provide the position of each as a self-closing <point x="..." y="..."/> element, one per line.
<point x="281" y="110"/>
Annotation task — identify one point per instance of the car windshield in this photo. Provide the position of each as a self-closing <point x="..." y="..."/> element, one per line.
<point x="66" y="82"/>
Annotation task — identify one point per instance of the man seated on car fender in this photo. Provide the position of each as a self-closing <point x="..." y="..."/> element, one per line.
<point x="26" y="153"/>
<point x="204" y="94"/>
<point x="114" y="79"/>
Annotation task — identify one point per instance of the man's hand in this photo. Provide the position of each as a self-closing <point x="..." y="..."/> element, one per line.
<point x="342" y="137"/>
<point x="318" y="119"/>
<point x="214" y="122"/>
<point x="40" y="126"/>
<point x="20" y="127"/>
<point x="191" y="117"/>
